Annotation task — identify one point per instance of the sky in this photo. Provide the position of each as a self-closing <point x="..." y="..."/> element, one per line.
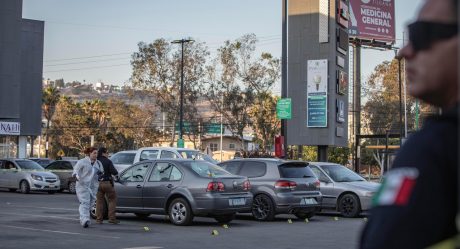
<point x="92" y="40"/>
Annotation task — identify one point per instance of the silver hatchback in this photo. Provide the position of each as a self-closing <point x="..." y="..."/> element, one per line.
<point x="279" y="186"/>
<point x="27" y="176"/>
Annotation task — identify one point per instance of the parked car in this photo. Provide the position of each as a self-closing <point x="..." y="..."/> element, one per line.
<point x="279" y="186"/>
<point x="124" y="159"/>
<point x="182" y="189"/>
<point x="28" y="176"/>
<point x="64" y="169"/>
<point x="343" y="189"/>
<point x="42" y="161"/>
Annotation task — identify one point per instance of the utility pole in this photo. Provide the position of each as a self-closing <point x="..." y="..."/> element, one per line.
<point x="357" y="101"/>
<point x="180" y="142"/>
<point x="284" y="71"/>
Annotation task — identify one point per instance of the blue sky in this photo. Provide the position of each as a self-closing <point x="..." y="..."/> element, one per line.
<point x="103" y="33"/>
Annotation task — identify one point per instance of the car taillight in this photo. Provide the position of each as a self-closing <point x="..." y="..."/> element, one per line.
<point x="317" y="184"/>
<point x="282" y="184"/>
<point x="246" y="185"/>
<point x="215" y="186"/>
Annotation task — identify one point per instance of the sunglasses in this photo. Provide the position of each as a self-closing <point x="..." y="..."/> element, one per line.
<point x="423" y="34"/>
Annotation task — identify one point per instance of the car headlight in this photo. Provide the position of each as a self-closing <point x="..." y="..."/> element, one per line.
<point x="369" y="194"/>
<point x="36" y="177"/>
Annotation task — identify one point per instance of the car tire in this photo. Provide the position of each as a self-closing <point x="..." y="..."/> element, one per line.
<point x="349" y="205"/>
<point x="223" y="219"/>
<point x="12" y="189"/>
<point x="180" y="212"/>
<point x="304" y="215"/>
<point x="141" y="215"/>
<point x="24" y="186"/>
<point x="263" y="208"/>
<point x="72" y="187"/>
<point x="92" y="211"/>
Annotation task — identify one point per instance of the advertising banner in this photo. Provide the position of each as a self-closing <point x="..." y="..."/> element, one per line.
<point x="372" y="19"/>
<point x="317" y="78"/>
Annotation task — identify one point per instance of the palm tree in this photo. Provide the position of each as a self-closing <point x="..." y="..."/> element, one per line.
<point x="50" y="99"/>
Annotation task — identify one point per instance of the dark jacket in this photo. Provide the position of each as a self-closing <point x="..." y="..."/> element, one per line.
<point x="416" y="205"/>
<point x="109" y="169"/>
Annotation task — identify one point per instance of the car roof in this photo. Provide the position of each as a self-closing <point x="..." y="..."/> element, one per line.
<point x="166" y="148"/>
<point x="179" y="160"/>
<point x="325" y="163"/>
<point x="125" y="151"/>
<point x="262" y="159"/>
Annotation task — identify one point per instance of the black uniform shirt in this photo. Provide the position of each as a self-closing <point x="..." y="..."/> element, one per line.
<point x="109" y="169"/>
<point x="416" y="205"/>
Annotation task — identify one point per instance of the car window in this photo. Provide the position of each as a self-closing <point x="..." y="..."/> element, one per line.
<point x="29" y="165"/>
<point x="295" y="170"/>
<point x="168" y="154"/>
<point x="341" y="173"/>
<point x="66" y="165"/>
<point x="148" y="155"/>
<point x="321" y="176"/>
<point x="123" y="158"/>
<point x="206" y="169"/>
<point x="188" y="154"/>
<point x="253" y="169"/>
<point x="232" y="167"/>
<point x="53" y="166"/>
<point x="164" y="171"/>
<point x="136" y="173"/>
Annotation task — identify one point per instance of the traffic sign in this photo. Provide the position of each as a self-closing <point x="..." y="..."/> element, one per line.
<point x="284" y="109"/>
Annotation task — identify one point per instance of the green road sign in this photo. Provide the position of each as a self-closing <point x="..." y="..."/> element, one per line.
<point x="180" y="143"/>
<point x="284" y="108"/>
<point x="187" y="127"/>
<point x="213" y="128"/>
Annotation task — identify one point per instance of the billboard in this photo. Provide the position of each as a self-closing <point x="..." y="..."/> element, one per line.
<point x="317" y="78"/>
<point x="372" y="20"/>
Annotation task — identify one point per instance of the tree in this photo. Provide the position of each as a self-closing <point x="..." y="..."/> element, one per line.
<point x="264" y="121"/>
<point x="50" y="99"/>
<point x="237" y="81"/>
<point x="157" y="69"/>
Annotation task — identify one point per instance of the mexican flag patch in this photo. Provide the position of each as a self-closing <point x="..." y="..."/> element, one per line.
<point x="396" y="188"/>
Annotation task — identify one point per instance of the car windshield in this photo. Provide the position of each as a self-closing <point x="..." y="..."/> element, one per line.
<point x="340" y="173"/>
<point x="206" y="169"/>
<point x="188" y="154"/>
<point x="29" y="165"/>
<point x="123" y="158"/>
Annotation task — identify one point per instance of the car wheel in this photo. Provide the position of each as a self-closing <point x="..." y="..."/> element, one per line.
<point x="180" y="212"/>
<point x="72" y="188"/>
<point x="12" y="189"/>
<point x="304" y="215"/>
<point x="25" y="188"/>
<point x="51" y="192"/>
<point x="349" y="205"/>
<point x="263" y="208"/>
<point x="141" y="215"/>
<point x="224" y="218"/>
<point x="92" y="211"/>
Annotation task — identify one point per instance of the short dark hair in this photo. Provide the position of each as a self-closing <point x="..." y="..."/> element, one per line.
<point x="101" y="151"/>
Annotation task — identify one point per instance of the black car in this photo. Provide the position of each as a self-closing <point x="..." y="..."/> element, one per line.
<point x="42" y="161"/>
<point x="64" y="169"/>
<point x="279" y="186"/>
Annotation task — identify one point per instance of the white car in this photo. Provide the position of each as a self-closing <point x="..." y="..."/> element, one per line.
<point x="27" y="176"/>
<point x="123" y="159"/>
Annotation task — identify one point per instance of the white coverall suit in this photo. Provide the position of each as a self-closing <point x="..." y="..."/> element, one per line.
<point x="87" y="186"/>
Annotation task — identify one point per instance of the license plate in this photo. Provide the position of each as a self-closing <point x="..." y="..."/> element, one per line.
<point x="308" y="201"/>
<point x="237" y="201"/>
<point x="51" y="185"/>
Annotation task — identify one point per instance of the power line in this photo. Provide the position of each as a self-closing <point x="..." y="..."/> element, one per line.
<point x="86" y="68"/>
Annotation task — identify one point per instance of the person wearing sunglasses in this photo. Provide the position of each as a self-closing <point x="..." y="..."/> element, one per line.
<point x="416" y="205"/>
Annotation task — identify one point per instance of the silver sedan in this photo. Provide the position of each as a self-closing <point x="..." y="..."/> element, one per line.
<point x="343" y="189"/>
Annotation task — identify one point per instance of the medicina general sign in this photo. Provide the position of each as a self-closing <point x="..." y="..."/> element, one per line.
<point x="10" y="128"/>
<point x="372" y="20"/>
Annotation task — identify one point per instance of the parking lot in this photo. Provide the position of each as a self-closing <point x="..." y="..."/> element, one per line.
<point x="39" y="220"/>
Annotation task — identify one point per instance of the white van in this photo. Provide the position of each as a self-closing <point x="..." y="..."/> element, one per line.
<point x="149" y="153"/>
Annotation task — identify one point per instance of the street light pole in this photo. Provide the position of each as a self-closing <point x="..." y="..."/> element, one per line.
<point x="180" y="142"/>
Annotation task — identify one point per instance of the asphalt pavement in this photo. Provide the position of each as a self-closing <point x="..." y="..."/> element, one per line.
<point x="40" y="220"/>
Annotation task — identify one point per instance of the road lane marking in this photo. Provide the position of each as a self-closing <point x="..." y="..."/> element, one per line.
<point x="37" y="215"/>
<point x="62" y="232"/>
<point x="66" y="209"/>
<point x="145" y="247"/>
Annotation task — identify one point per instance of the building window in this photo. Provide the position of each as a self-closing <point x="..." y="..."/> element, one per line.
<point x="231" y="146"/>
<point x="213" y="147"/>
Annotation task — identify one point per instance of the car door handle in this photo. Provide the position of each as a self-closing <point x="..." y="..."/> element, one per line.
<point x="138" y="186"/>
<point x="169" y="186"/>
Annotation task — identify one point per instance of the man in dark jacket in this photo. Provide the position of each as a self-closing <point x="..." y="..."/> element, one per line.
<point x="416" y="205"/>
<point x="106" y="189"/>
